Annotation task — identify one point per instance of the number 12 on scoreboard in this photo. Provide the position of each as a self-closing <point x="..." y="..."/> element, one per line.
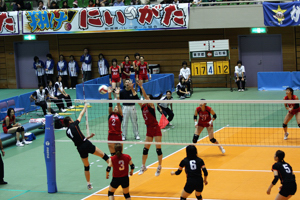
<point x="210" y="68"/>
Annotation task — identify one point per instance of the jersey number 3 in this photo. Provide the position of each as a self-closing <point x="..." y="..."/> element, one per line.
<point x="286" y="167"/>
<point x="193" y="164"/>
<point x="121" y="163"/>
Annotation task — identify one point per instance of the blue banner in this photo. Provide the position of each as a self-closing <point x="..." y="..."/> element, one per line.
<point x="281" y="14"/>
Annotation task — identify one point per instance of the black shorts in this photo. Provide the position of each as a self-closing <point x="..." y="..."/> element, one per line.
<point x="288" y="189"/>
<point x="85" y="148"/>
<point x="193" y="184"/>
<point x="117" y="181"/>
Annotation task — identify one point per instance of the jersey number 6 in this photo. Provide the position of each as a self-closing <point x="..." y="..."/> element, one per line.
<point x="193" y="164"/>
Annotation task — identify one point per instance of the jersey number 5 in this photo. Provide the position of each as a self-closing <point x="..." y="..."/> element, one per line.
<point x="193" y="164"/>
<point x="121" y="163"/>
<point x="286" y="167"/>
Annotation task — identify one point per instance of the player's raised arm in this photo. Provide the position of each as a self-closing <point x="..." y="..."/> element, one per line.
<point x="110" y="110"/>
<point x="82" y="112"/>
<point x="117" y="92"/>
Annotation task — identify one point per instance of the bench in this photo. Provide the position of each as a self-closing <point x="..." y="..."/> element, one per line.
<point x="27" y="127"/>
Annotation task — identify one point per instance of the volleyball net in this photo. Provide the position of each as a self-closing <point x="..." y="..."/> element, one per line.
<point x="238" y="122"/>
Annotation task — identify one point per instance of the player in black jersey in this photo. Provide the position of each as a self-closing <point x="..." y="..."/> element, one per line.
<point x="284" y="172"/>
<point x="193" y="166"/>
<point x="84" y="146"/>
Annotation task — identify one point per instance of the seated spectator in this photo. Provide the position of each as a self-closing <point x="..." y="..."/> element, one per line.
<point x="91" y="3"/>
<point x="18" y="5"/>
<point x="185" y="72"/>
<point x="52" y="5"/>
<point x="119" y="3"/>
<point x="3" y="7"/>
<point x="163" y="108"/>
<point x="40" y="96"/>
<point x="10" y="126"/>
<point x="239" y="73"/>
<point x="181" y="89"/>
<point x="65" y="5"/>
<point x="52" y="97"/>
<point x="61" y="94"/>
<point x="75" y="4"/>
<point x="41" y="6"/>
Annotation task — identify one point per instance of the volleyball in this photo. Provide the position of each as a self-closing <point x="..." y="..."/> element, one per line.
<point x="130" y="12"/>
<point x="102" y="89"/>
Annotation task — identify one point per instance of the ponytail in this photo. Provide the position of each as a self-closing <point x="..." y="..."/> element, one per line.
<point x="118" y="149"/>
<point x="280" y="155"/>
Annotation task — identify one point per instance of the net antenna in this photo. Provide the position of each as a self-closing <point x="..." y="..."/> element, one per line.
<point x="201" y="51"/>
<point x="86" y="113"/>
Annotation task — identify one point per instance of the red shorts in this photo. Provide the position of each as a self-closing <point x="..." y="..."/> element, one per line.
<point x="294" y="111"/>
<point x="124" y="76"/>
<point x="115" y="80"/>
<point x="143" y="77"/>
<point x="204" y="124"/>
<point x="5" y="130"/>
<point x="114" y="137"/>
<point x="153" y="131"/>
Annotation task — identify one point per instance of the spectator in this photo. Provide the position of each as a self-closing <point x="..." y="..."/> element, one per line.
<point x="75" y="4"/>
<point x="126" y="68"/>
<point x="129" y="110"/>
<point x="176" y="2"/>
<point x="103" y="65"/>
<point x="39" y="67"/>
<point x="181" y="89"/>
<point x="18" y="5"/>
<point x="119" y="3"/>
<point x="62" y="68"/>
<point x="86" y="67"/>
<point x="165" y="2"/>
<point x="52" y="5"/>
<point x="239" y="73"/>
<point x="10" y="126"/>
<point x="135" y="2"/>
<point x="91" y="3"/>
<point x="41" y="6"/>
<point x="3" y="8"/>
<point x="197" y="2"/>
<point x="103" y="3"/>
<point x="60" y="93"/>
<point x="49" y="68"/>
<point x="185" y="72"/>
<point x="73" y="72"/>
<point x="164" y="109"/>
<point x="65" y="5"/>
<point x="52" y="97"/>
<point x="97" y="3"/>
<point x="2" y="182"/>
<point x="40" y="96"/>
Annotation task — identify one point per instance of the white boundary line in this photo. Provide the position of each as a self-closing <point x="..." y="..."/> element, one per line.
<point x="151" y="197"/>
<point x="95" y="193"/>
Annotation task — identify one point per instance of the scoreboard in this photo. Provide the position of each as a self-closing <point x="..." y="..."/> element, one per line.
<point x="210" y="68"/>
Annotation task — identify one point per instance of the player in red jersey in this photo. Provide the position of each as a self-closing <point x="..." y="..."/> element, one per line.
<point x="114" y="121"/>
<point x="205" y="121"/>
<point x="135" y="63"/>
<point x="126" y="68"/>
<point x="143" y="70"/>
<point x="293" y="110"/>
<point x="114" y="74"/>
<point x="153" y="130"/>
<point x="120" y="163"/>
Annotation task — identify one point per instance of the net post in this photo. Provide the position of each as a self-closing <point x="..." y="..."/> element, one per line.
<point x="49" y="153"/>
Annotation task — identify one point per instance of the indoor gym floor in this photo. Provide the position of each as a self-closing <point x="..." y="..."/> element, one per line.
<point x="242" y="173"/>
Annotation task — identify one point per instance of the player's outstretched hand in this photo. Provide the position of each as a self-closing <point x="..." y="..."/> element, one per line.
<point x="131" y="173"/>
<point x="196" y="124"/>
<point x="172" y="172"/>
<point x="107" y="176"/>
<point x="109" y="90"/>
<point x="92" y="135"/>
<point x="269" y="191"/>
<point x="117" y="90"/>
<point x="130" y="84"/>
<point x="140" y="83"/>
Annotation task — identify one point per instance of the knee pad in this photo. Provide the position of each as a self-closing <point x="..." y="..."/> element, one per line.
<point x="145" y="151"/>
<point x="199" y="197"/>
<point x="181" y="198"/>
<point x="126" y="195"/>
<point x="195" y="138"/>
<point x="213" y="140"/>
<point x="159" y="152"/>
<point x="284" y="125"/>
<point x="110" y="193"/>
<point x="87" y="168"/>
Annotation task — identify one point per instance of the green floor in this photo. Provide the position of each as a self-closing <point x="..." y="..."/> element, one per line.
<point x="25" y="166"/>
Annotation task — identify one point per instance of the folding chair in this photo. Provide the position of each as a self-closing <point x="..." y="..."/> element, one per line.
<point x="2" y="106"/>
<point x="11" y="103"/>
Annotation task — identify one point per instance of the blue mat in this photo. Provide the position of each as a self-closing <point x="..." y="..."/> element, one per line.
<point x="278" y="80"/>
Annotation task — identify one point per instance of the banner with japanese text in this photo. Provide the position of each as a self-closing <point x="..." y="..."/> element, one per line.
<point x="106" y="19"/>
<point x="282" y="14"/>
<point x="9" y="23"/>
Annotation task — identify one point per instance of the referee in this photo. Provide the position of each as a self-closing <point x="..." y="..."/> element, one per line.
<point x="129" y="110"/>
<point x="163" y="108"/>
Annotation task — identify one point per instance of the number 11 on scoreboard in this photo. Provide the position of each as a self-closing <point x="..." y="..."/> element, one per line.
<point x="210" y="68"/>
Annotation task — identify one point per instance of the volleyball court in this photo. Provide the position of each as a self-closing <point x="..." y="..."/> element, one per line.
<point x="250" y="132"/>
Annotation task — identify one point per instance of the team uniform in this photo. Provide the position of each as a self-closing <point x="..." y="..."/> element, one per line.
<point x="114" y="127"/>
<point x="287" y="178"/>
<point x="136" y="64"/>
<point x="204" y="116"/>
<point x="126" y="68"/>
<point x="153" y="128"/>
<point x="11" y="122"/>
<point x="50" y="66"/>
<point x="115" y="76"/>
<point x="120" y="170"/>
<point x="296" y="108"/>
<point x="143" y="71"/>
<point x="193" y="172"/>
<point x="84" y="146"/>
